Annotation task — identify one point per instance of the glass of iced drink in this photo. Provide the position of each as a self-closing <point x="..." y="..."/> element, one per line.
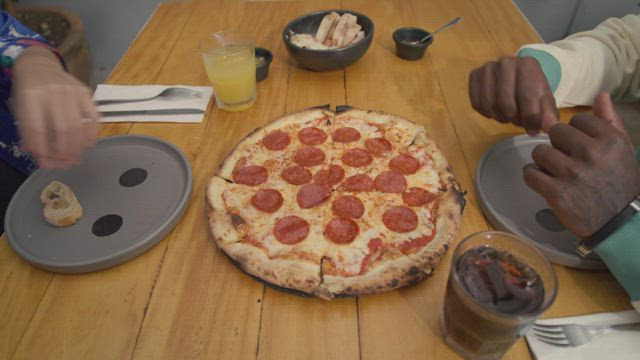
<point x="498" y="286"/>
<point x="230" y="62"/>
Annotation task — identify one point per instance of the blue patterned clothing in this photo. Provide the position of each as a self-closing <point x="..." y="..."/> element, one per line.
<point x="14" y="38"/>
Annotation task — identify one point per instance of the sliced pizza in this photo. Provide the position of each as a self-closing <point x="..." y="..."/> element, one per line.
<point x="330" y="204"/>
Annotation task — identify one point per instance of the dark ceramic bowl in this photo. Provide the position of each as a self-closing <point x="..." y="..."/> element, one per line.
<point x="405" y="46"/>
<point x="326" y="60"/>
<point x="262" y="70"/>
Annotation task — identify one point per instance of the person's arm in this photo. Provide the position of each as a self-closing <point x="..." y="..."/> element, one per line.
<point x="588" y="175"/>
<point x="53" y="110"/>
<point x="605" y="59"/>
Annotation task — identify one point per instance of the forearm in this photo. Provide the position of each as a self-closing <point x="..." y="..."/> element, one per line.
<point x="36" y="57"/>
<point x="604" y="59"/>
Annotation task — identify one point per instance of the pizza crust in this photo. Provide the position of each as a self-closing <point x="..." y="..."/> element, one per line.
<point x="292" y="274"/>
<point x="449" y="212"/>
<point x="392" y="271"/>
<point x="220" y="222"/>
<point x="447" y="223"/>
<point x="225" y="170"/>
<point x="399" y="130"/>
<point x="300" y="117"/>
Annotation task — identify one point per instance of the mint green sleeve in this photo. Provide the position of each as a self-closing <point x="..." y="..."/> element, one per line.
<point x="549" y="64"/>
<point x="621" y="253"/>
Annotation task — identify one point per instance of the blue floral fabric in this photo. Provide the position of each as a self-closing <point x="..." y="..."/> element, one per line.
<point x="14" y="38"/>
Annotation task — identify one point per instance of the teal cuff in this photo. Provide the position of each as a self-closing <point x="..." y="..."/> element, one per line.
<point x="550" y="65"/>
<point x="621" y="253"/>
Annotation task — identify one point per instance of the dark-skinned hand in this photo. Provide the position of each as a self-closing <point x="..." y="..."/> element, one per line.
<point x="514" y="90"/>
<point x="589" y="173"/>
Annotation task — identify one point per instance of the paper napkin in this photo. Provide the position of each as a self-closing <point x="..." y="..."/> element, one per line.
<point x="107" y="92"/>
<point x="622" y="345"/>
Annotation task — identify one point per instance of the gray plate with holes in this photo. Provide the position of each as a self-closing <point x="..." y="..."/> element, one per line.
<point x="512" y="206"/>
<point x="133" y="190"/>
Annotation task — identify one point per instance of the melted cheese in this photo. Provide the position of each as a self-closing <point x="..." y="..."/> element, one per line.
<point x="347" y="258"/>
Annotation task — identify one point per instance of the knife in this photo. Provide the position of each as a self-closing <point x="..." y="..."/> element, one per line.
<point x="152" y="112"/>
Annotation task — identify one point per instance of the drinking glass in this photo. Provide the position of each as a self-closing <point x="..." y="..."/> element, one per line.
<point x="229" y="60"/>
<point x="483" y="312"/>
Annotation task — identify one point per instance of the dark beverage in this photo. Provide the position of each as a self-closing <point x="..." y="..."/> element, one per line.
<point x="500" y="281"/>
<point x="492" y="298"/>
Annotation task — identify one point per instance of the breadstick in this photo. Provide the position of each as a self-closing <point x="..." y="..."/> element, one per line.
<point x="358" y="37"/>
<point x="339" y="28"/>
<point x="350" y="34"/>
<point x="351" y="19"/>
<point x="327" y="24"/>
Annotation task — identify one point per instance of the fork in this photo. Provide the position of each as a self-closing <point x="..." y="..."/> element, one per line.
<point x="576" y="335"/>
<point x="168" y="93"/>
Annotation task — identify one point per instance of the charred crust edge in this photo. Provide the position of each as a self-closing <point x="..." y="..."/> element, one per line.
<point x="226" y="158"/>
<point x="459" y="198"/>
<point x="241" y="267"/>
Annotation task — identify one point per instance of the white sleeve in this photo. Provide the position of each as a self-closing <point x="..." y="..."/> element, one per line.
<point x="606" y="58"/>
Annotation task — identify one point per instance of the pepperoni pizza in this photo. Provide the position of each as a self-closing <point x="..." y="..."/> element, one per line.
<point x="335" y="203"/>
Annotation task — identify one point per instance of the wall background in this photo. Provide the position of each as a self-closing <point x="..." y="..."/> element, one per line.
<point x="555" y="19"/>
<point x="111" y="25"/>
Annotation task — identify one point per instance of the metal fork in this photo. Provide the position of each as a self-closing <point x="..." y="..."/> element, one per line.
<point x="576" y="335"/>
<point x="168" y="93"/>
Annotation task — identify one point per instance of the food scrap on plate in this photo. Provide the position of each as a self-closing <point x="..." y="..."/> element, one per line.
<point x="61" y="207"/>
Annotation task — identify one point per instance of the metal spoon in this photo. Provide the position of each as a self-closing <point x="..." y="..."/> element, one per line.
<point x="449" y="24"/>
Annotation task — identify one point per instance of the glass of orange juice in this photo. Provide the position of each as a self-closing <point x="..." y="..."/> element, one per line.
<point x="229" y="59"/>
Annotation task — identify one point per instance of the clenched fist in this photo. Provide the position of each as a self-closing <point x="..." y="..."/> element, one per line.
<point x="54" y="112"/>
<point x="514" y="90"/>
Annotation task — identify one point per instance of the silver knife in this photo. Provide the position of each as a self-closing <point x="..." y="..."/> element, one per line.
<point x="152" y="112"/>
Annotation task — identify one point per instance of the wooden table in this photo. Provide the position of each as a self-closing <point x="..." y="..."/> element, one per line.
<point x="183" y="299"/>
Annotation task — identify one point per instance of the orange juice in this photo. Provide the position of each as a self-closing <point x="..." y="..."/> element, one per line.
<point x="231" y="68"/>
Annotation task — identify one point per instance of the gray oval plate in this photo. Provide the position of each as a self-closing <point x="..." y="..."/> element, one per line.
<point x="510" y="205"/>
<point x="149" y="209"/>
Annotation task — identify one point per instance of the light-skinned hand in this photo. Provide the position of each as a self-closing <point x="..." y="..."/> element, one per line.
<point x="55" y="115"/>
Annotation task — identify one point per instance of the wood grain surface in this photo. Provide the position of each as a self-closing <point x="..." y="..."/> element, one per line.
<point x="183" y="299"/>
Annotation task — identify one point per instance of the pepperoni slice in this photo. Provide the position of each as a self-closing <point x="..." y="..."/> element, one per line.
<point x="390" y="182"/>
<point x="311" y="195"/>
<point x="405" y="164"/>
<point x="400" y="219"/>
<point x="309" y="156"/>
<point x="378" y="146"/>
<point x="348" y="206"/>
<point x="250" y="175"/>
<point x="330" y="177"/>
<point x="341" y="230"/>
<point x="267" y="200"/>
<point x="416" y="196"/>
<point x="312" y="136"/>
<point x="357" y="157"/>
<point x="276" y="140"/>
<point x="358" y="183"/>
<point x="345" y="135"/>
<point x="296" y="175"/>
<point x="291" y="229"/>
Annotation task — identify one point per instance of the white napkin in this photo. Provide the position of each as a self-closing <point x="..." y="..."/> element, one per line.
<point x="107" y="92"/>
<point x="621" y="345"/>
